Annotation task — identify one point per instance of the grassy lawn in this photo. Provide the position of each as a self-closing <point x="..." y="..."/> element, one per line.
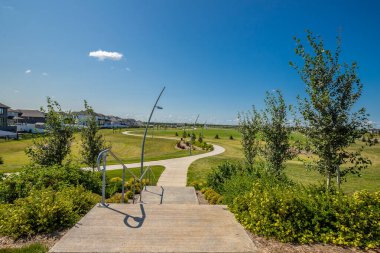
<point x="369" y="180"/>
<point x="157" y="171"/>
<point x="126" y="147"/>
<point x="32" y="248"/>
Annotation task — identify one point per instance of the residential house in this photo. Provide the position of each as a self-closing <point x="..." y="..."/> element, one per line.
<point x="3" y="116"/>
<point x="31" y="116"/>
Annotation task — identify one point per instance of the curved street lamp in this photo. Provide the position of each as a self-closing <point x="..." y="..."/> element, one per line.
<point x="146" y="130"/>
<point x="191" y="144"/>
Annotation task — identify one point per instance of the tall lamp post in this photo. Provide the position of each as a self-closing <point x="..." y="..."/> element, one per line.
<point x="146" y="130"/>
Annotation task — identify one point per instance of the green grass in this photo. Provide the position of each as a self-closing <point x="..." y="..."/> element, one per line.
<point x="32" y="248"/>
<point x="198" y="170"/>
<point x="157" y="171"/>
<point x="127" y="148"/>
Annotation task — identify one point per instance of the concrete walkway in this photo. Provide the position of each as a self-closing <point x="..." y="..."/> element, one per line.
<point x="168" y="219"/>
<point x="123" y="228"/>
<point x="175" y="173"/>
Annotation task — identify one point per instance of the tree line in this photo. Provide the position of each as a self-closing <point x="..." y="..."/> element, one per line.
<point x="326" y="115"/>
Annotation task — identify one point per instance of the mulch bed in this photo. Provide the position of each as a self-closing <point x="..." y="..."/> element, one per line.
<point x="47" y="239"/>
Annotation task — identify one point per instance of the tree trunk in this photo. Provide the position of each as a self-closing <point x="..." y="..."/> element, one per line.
<point x="338" y="176"/>
<point x="328" y="180"/>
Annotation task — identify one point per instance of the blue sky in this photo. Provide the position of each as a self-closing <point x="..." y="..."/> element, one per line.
<point x="216" y="58"/>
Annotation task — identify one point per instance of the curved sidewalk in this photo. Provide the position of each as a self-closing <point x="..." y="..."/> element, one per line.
<point x="175" y="173"/>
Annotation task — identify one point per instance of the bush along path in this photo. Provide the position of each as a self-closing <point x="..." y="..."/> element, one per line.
<point x="175" y="173"/>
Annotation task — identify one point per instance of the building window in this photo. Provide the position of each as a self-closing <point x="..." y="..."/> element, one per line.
<point x="2" y="111"/>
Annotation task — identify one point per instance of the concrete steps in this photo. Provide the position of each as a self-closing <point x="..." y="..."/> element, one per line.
<point x="156" y="228"/>
<point x="169" y="195"/>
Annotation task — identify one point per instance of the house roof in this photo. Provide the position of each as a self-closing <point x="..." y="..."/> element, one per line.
<point x="31" y="113"/>
<point x="3" y="106"/>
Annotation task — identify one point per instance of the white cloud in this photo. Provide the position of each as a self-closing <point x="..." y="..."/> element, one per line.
<point x="127" y="69"/>
<point x="44" y="74"/>
<point x="102" y="55"/>
<point x="28" y="71"/>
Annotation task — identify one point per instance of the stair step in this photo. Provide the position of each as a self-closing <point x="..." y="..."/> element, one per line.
<point x="169" y="195"/>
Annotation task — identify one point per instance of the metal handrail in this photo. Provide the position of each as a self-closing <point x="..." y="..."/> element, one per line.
<point x="102" y="157"/>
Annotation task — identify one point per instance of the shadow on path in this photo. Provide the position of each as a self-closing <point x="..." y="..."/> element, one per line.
<point x="138" y="220"/>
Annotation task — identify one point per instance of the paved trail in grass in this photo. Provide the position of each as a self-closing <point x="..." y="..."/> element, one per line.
<point x="175" y="173"/>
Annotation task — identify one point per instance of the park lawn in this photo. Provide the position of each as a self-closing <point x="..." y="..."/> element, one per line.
<point x="127" y="148"/>
<point x="295" y="169"/>
<point x="157" y="171"/>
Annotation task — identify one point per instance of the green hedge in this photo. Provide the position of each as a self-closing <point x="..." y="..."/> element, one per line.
<point x="18" y="185"/>
<point x="45" y="211"/>
<point x="292" y="213"/>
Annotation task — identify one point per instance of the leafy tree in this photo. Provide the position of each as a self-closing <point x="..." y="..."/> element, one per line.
<point x="176" y="134"/>
<point x="231" y="137"/>
<point x="275" y="133"/>
<point x="200" y="139"/>
<point x="332" y="90"/>
<point x="55" y="145"/>
<point x="249" y="127"/>
<point x="193" y="137"/>
<point x="1" y="160"/>
<point x="92" y="141"/>
<point x="184" y="134"/>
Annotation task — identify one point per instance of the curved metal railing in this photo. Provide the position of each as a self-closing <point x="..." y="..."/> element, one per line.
<point x="102" y="166"/>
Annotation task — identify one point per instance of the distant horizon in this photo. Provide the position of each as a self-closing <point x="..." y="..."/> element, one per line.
<point x="216" y="58"/>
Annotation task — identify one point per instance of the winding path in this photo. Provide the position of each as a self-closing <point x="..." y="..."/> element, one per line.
<point x="175" y="173"/>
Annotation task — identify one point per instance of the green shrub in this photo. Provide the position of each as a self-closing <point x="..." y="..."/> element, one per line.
<point x="222" y="173"/>
<point x="204" y="145"/>
<point x="45" y="211"/>
<point x="236" y="185"/>
<point x="293" y="213"/>
<point x="35" y="177"/>
<point x="231" y="137"/>
<point x="198" y="185"/>
<point x="1" y="160"/>
<point x="117" y="197"/>
<point x="116" y="179"/>
<point x="217" y="136"/>
<point x="212" y="196"/>
<point x="176" y="134"/>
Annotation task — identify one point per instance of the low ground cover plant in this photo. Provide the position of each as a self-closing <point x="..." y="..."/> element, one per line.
<point x="212" y="196"/>
<point x="32" y="248"/>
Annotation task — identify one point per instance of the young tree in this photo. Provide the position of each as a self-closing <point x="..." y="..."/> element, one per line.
<point x="55" y="145"/>
<point x="331" y="125"/>
<point x="92" y="141"/>
<point x="193" y="137"/>
<point x="249" y="127"/>
<point x="275" y="133"/>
